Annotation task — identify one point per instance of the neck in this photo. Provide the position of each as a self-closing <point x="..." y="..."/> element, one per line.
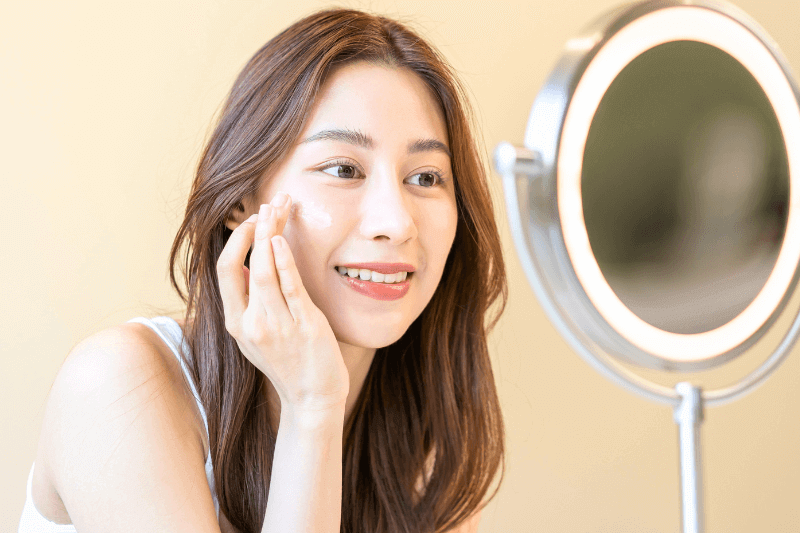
<point x="358" y="361"/>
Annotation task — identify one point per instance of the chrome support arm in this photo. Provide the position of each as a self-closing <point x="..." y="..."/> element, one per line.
<point x="689" y="415"/>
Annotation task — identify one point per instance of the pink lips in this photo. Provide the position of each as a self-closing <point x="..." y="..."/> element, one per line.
<point x="375" y="290"/>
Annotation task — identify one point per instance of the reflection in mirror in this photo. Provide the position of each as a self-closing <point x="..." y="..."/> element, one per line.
<point x="685" y="187"/>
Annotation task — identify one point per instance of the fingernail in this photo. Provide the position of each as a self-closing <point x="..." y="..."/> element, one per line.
<point x="280" y="199"/>
<point x="276" y="242"/>
<point x="264" y="212"/>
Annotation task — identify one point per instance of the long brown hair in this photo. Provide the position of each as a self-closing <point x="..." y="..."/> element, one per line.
<point x="431" y="390"/>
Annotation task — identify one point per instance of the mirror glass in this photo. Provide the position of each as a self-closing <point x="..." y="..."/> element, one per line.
<point x="685" y="187"/>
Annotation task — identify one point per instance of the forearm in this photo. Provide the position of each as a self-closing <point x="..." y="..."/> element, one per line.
<point x="305" y="493"/>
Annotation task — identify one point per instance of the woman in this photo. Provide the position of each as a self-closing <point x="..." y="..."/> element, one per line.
<point x="341" y="257"/>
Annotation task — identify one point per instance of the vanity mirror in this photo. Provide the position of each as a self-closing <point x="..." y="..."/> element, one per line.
<point x="654" y="204"/>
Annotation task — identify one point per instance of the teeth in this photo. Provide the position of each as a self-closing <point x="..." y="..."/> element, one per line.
<point x="369" y="275"/>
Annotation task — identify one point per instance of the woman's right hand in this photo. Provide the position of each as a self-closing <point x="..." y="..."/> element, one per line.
<point x="273" y="320"/>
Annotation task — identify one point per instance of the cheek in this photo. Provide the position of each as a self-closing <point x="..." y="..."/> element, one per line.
<point x="311" y="215"/>
<point x="313" y="231"/>
<point x="309" y="249"/>
<point x="444" y="228"/>
<point x="308" y="218"/>
<point x="439" y="234"/>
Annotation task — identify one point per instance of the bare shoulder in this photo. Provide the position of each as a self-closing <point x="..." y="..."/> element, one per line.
<point x="125" y="352"/>
<point x="119" y="369"/>
<point x="121" y="426"/>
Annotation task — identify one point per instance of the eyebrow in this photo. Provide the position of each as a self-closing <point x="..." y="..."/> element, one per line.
<point x="429" y="145"/>
<point x="348" y="136"/>
<point x="363" y="140"/>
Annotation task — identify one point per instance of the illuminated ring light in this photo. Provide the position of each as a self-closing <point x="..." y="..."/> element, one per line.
<point x="680" y="23"/>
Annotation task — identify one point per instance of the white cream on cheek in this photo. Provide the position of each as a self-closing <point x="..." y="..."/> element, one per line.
<point x="311" y="213"/>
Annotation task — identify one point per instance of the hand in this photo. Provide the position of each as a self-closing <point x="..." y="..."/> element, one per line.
<point x="270" y="315"/>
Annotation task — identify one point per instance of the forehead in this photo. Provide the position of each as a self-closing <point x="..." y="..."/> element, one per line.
<point x="383" y="101"/>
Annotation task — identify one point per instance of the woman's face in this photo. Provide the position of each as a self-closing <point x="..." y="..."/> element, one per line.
<point x="371" y="182"/>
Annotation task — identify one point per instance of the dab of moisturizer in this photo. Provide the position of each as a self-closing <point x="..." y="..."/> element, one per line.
<point x="311" y="213"/>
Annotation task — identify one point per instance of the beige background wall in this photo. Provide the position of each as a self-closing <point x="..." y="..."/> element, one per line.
<point x="104" y="106"/>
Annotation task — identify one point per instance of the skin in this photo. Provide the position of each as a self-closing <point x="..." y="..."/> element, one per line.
<point x="391" y="210"/>
<point x="119" y="412"/>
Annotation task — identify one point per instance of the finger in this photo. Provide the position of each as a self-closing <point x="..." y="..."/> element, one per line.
<point x="281" y="204"/>
<point x="231" y="279"/>
<point x="284" y="204"/>
<point x="264" y="284"/>
<point x="297" y="299"/>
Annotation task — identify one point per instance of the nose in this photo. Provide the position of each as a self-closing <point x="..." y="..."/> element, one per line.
<point x="387" y="212"/>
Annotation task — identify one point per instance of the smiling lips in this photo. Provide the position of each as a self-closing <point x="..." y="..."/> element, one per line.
<point x="380" y="281"/>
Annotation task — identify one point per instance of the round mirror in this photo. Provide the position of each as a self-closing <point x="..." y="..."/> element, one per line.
<point x="657" y="214"/>
<point x="685" y="187"/>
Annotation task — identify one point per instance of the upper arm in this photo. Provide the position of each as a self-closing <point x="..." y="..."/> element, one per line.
<point x="123" y="448"/>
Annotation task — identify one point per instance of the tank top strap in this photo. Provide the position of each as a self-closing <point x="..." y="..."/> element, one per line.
<point x="170" y="332"/>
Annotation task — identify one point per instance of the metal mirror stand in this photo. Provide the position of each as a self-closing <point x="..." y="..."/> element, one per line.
<point x="520" y="168"/>
<point x="543" y="186"/>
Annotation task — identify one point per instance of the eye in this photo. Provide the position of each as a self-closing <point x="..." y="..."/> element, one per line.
<point x="342" y="170"/>
<point x="427" y="179"/>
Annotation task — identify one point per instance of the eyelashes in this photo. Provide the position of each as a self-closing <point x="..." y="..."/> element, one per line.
<point x="350" y="173"/>
<point x="348" y="170"/>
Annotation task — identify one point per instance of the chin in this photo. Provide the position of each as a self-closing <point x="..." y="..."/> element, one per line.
<point x="376" y="337"/>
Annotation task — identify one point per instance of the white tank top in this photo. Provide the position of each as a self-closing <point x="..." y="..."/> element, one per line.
<point x="170" y="332"/>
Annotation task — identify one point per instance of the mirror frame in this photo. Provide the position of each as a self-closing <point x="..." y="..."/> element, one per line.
<point x="545" y="205"/>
